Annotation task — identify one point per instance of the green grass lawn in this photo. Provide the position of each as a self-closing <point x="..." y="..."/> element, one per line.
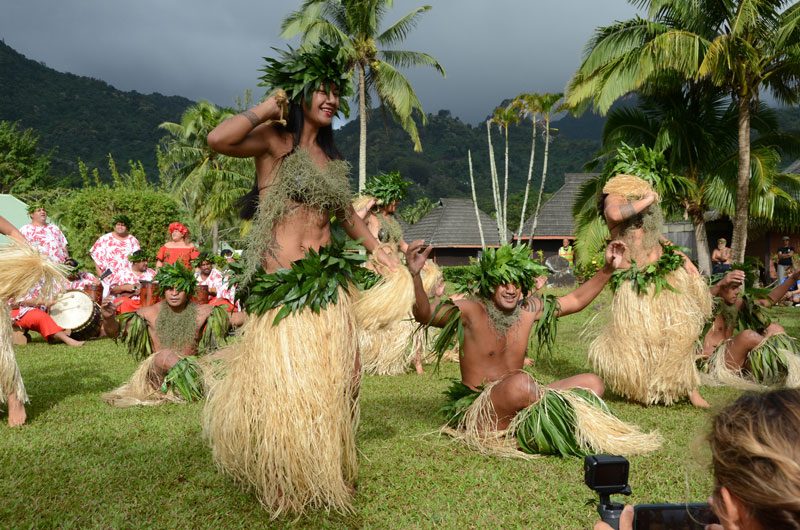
<point x="80" y="463"/>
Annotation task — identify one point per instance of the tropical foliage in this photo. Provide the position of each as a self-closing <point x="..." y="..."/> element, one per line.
<point x="355" y="27"/>
<point x="744" y="47"/>
<point x="22" y="166"/>
<point x="208" y="184"/>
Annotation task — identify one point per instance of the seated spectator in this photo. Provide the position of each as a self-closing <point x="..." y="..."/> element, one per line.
<point x="78" y="279"/>
<point x="125" y="285"/>
<point x="30" y="314"/>
<point x="755" y="459"/>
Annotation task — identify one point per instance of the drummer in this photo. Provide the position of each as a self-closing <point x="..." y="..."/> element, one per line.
<point x="30" y="314"/>
<point x="206" y="274"/>
<point x="78" y="279"/>
<point x="125" y="284"/>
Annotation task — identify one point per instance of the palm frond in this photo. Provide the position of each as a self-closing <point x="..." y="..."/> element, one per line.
<point x="398" y="31"/>
<point x="408" y="59"/>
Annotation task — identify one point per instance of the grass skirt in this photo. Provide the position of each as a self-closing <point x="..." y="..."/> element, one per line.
<point x="140" y="389"/>
<point x="572" y="422"/>
<point x="387" y="351"/>
<point x="386" y="303"/>
<point x="646" y="352"/>
<point x="282" y="409"/>
<point x="10" y="378"/>
<point x="774" y="362"/>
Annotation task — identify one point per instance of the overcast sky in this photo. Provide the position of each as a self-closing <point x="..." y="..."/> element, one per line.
<point x="212" y="49"/>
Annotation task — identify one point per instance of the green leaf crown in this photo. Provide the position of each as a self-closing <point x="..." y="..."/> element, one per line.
<point x="303" y="71"/>
<point x="504" y="265"/>
<point x="139" y="255"/>
<point x="176" y="277"/>
<point x="387" y="187"/>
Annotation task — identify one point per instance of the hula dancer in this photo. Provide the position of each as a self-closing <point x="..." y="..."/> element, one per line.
<point x="761" y="353"/>
<point x="166" y="337"/>
<point x="378" y="204"/>
<point x="497" y="408"/>
<point x="22" y="269"/>
<point x="282" y="414"/>
<point x="646" y="352"/>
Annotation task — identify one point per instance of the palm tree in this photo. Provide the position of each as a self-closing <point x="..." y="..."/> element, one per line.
<point x="694" y="125"/>
<point x="209" y="184"/>
<point x="504" y="117"/>
<point x="354" y="26"/>
<point x="743" y="46"/>
<point x="548" y="105"/>
<point x="528" y="105"/>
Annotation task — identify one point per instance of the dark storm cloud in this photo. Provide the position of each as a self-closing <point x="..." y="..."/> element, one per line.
<point x="204" y="49"/>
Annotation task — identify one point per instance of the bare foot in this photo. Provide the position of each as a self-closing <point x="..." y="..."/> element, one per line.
<point x="16" y="411"/>
<point x="66" y="339"/>
<point x="418" y="367"/>
<point x="19" y="338"/>
<point x="698" y="400"/>
<point x="527" y="362"/>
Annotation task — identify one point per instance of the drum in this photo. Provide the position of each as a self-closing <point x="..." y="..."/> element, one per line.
<point x="95" y="292"/>
<point x="75" y="310"/>
<point x="200" y="295"/>
<point x="148" y="293"/>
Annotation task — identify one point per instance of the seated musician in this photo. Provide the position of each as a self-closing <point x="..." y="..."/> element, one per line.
<point x="126" y="283"/>
<point x="166" y="337"/>
<point x="78" y="279"/>
<point x="219" y="291"/>
<point x="30" y="314"/>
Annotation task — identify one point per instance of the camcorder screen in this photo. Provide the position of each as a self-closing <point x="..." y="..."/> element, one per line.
<point x="673" y="516"/>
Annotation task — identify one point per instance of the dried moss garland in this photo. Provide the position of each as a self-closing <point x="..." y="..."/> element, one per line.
<point x="653" y="274"/>
<point x="298" y="180"/>
<point x="177" y="330"/>
<point x="390" y="231"/>
<point x="500" y="320"/>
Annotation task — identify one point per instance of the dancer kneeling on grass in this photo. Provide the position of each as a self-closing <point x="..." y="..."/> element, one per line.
<point x="761" y="353"/>
<point x="497" y="408"/>
<point x="166" y="337"/>
<point x="282" y="411"/>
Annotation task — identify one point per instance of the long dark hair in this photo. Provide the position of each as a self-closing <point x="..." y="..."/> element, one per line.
<point x="295" y="121"/>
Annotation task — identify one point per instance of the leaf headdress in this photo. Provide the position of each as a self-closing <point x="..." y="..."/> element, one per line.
<point x="303" y="71"/>
<point x="507" y="264"/>
<point x="176" y="277"/>
<point x="387" y="187"/>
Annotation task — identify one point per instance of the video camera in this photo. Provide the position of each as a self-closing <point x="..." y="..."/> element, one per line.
<point x="608" y="475"/>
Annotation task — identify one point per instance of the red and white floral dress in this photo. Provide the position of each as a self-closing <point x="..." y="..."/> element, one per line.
<point x="111" y="252"/>
<point x="47" y="239"/>
<point x="127" y="303"/>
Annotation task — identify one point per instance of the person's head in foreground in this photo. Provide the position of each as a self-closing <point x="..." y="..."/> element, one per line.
<point x="121" y="224"/>
<point x="755" y="458"/>
<point x="138" y="260"/>
<point x="176" y="284"/>
<point x="177" y="232"/>
<point x="503" y="276"/>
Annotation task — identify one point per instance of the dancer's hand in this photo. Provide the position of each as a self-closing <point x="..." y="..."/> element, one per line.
<point x="416" y="255"/>
<point x="734" y="277"/>
<point x="386" y="258"/>
<point x="615" y="254"/>
<point x="362" y="212"/>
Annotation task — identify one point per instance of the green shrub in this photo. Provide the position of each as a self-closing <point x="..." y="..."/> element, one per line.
<point x="454" y="274"/>
<point x="84" y="215"/>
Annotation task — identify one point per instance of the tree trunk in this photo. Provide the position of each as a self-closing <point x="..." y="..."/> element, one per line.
<point x="215" y="237"/>
<point x="544" y="175"/>
<point x="505" y="187"/>
<point x="530" y="174"/>
<point x="498" y="207"/>
<point x="362" y="121"/>
<point x="742" y="183"/>
<point x="701" y="238"/>
<point x="475" y="200"/>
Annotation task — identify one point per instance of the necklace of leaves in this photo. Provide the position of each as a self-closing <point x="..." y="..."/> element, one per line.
<point x="656" y="273"/>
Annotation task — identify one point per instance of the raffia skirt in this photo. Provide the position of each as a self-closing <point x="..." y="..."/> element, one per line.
<point x="282" y="409"/>
<point x="646" y="352"/>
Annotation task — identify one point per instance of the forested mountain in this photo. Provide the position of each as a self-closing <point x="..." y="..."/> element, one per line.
<point x="81" y="117"/>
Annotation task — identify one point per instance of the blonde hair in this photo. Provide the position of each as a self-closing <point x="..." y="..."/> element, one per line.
<point x="756" y="455"/>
